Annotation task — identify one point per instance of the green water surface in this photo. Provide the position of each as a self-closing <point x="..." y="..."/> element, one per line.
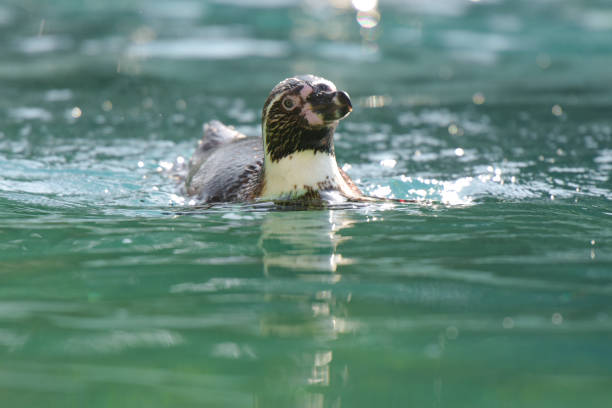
<point x="494" y="290"/>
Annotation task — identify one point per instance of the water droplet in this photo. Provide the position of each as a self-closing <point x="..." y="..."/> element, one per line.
<point x="459" y="152"/>
<point x="557" y="319"/>
<point x="557" y="110"/>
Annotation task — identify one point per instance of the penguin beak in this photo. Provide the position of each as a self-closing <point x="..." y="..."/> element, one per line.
<point x="331" y="106"/>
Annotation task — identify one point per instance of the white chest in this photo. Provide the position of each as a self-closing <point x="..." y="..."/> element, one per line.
<point x="301" y="172"/>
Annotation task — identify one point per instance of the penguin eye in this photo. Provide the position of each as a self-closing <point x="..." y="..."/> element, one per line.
<point x="288" y="104"/>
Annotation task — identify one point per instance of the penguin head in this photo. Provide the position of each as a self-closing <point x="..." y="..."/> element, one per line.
<point x="301" y="113"/>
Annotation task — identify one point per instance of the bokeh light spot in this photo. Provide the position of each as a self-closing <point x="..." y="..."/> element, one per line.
<point x="107" y="106"/>
<point x="478" y="98"/>
<point x="365" y="5"/>
<point x="368" y="19"/>
<point x="76" y="112"/>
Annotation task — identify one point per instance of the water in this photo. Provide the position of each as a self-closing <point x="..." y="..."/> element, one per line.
<point x="494" y="290"/>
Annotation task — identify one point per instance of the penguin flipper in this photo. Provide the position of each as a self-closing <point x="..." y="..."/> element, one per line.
<point x="215" y="134"/>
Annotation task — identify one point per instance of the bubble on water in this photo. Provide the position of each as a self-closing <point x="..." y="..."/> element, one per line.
<point x="557" y="110"/>
<point x="557" y="319"/>
<point x="459" y="152"/>
<point x="508" y="323"/>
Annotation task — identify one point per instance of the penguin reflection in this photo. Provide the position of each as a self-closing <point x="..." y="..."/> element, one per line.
<point x="304" y="241"/>
<point x="303" y="246"/>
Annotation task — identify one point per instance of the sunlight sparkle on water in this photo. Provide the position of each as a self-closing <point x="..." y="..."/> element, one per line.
<point x="166" y="165"/>
<point x="452" y="189"/>
<point x="365" y="5"/>
<point x="390" y="163"/>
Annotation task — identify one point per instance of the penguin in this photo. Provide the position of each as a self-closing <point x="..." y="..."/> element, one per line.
<point x="293" y="160"/>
